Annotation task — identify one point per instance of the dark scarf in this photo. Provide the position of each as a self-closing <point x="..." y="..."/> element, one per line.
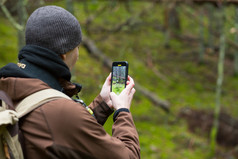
<point x="42" y="64"/>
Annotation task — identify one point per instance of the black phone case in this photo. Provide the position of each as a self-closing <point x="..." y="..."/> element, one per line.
<point x="123" y="63"/>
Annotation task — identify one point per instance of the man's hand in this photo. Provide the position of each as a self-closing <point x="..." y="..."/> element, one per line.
<point x="124" y="99"/>
<point x="105" y="92"/>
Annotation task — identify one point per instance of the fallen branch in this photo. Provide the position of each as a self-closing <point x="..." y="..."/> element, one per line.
<point x="97" y="54"/>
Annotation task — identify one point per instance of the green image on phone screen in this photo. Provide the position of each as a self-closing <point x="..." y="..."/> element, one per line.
<point x="118" y="79"/>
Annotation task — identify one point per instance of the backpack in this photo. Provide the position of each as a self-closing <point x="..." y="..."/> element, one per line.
<point x="10" y="146"/>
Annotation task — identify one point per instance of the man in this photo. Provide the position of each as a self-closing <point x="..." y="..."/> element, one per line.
<point x="63" y="128"/>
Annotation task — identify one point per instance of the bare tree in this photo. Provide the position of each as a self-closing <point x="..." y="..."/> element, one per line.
<point x="22" y="18"/>
<point x="201" y="35"/>
<point x="214" y="130"/>
<point x="9" y="16"/>
<point x="236" y="41"/>
<point x="70" y="6"/>
<point x="17" y="24"/>
<point x="171" y="21"/>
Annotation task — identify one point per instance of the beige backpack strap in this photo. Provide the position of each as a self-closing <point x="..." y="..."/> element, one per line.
<point x="37" y="99"/>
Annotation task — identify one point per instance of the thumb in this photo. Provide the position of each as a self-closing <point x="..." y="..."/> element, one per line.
<point x="108" y="80"/>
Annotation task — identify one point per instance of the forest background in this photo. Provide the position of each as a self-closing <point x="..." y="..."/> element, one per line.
<point x="182" y="55"/>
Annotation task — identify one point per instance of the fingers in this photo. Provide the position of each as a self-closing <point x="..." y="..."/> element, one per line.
<point x="108" y="80"/>
<point x="131" y="84"/>
<point x="109" y="77"/>
<point x="133" y="91"/>
<point x="130" y="79"/>
<point x="124" y="99"/>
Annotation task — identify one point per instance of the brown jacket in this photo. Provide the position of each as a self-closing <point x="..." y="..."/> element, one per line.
<point x="65" y="129"/>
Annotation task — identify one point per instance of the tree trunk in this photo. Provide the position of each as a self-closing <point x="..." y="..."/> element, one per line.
<point x="236" y="41"/>
<point x="214" y="130"/>
<point x="171" y="22"/>
<point x="70" y="6"/>
<point x="211" y="26"/>
<point x="202" y="39"/>
<point x="22" y="17"/>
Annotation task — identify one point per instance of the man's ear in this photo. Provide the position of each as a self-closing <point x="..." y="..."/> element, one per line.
<point x="63" y="56"/>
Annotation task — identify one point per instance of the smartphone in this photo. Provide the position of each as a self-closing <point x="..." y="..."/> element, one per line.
<point x="119" y="76"/>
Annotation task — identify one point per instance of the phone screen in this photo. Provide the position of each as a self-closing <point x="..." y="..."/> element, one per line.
<point x="119" y="77"/>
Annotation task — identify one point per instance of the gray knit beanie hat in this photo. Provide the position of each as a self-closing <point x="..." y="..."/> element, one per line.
<point x="53" y="28"/>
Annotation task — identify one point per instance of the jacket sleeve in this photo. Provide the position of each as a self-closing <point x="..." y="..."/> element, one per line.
<point x="100" y="109"/>
<point x="83" y="137"/>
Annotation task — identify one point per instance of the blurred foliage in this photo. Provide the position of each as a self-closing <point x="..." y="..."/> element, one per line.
<point x="8" y="43"/>
<point x="173" y="73"/>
